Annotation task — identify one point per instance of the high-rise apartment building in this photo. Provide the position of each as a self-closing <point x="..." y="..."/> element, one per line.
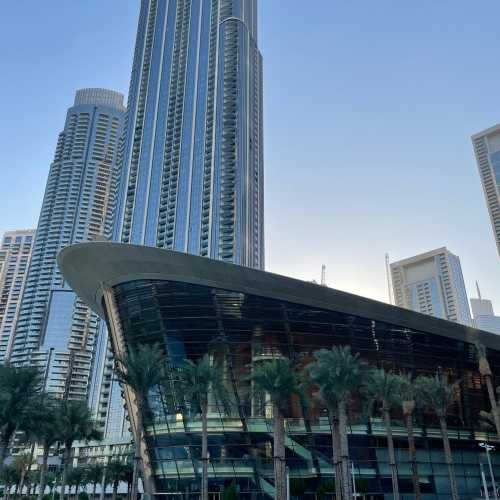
<point x="432" y="283"/>
<point x="487" y="150"/>
<point x="483" y="314"/>
<point x="55" y="330"/>
<point x="192" y="177"/>
<point x="193" y="160"/>
<point x="15" y="255"/>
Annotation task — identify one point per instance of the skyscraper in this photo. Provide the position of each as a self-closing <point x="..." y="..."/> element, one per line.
<point x="487" y="150"/>
<point x="193" y="160"/>
<point x="432" y="283"/>
<point x="55" y="329"/>
<point x="192" y="177"/>
<point x="483" y="315"/>
<point x="15" y="255"/>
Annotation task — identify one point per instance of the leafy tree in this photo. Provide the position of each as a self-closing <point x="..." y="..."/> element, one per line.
<point x="407" y="400"/>
<point x="75" y="477"/>
<point x="382" y="389"/>
<point x="93" y="474"/>
<point x="196" y="382"/>
<point x="278" y="379"/>
<point x="438" y="395"/>
<point x="75" y="424"/>
<point x="23" y="463"/>
<point x="19" y="387"/>
<point x="9" y="476"/>
<point x="231" y="492"/>
<point x="116" y="472"/>
<point x="50" y="481"/>
<point x="141" y="369"/>
<point x="338" y="374"/>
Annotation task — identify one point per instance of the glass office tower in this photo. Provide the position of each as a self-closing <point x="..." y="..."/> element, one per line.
<point x="55" y="330"/>
<point x="193" y="162"/>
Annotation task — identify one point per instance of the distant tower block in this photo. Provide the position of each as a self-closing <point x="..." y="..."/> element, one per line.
<point x="432" y="283"/>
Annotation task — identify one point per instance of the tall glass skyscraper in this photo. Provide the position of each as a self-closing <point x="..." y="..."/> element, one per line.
<point x="192" y="176"/>
<point x="487" y="149"/>
<point x="55" y="330"/>
<point x="193" y="163"/>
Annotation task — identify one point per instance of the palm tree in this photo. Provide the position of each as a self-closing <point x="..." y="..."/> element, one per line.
<point x="9" y="476"/>
<point x="18" y="388"/>
<point x="338" y="374"/>
<point x="278" y="379"/>
<point x="76" y="477"/>
<point x="406" y="399"/>
<point x="196" y="382"/>
<point x="75" y="423"/>
<point x="486" y="373"/>
<point x="141" y="369"/>
<point x="47" y="434"/>
<point x="23" y="463"/>
<point x="382" y="388"/>
<point x="116" y="472"/>
<point x="438" y="395"/>
<point x="94" y="474"/>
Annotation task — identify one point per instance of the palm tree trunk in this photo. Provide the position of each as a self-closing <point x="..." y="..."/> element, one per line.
<point x="392" y="455"/>
<point x="412" y="451"/>
<point x="449" y="458"/>
<point x="43" y="471"/>
<point x="204" y="452"/>
<point x="25" y="470"/>
<point x="135" y="474"/>
<point x="334" y="426"/>
<point x="94" y="487"/>
<point x="279" y="454"/>
<point x="115" y="490"/>
<point x="344" y="452"/>
<point x="64" y="479"/>
<point x="103" y="485"/>
<point x="493" y="403"/>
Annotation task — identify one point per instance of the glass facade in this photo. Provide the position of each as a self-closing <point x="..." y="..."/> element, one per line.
<point x="193" y="157"/>
<point x="240" y="330"/>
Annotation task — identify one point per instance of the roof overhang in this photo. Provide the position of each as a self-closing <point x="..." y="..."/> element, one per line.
<point x="89" y="267"/>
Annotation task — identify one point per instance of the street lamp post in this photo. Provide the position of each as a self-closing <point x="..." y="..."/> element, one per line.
<point x="489" y="447"/>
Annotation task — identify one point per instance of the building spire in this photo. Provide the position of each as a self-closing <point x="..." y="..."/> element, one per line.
<point x="478" y="291"/>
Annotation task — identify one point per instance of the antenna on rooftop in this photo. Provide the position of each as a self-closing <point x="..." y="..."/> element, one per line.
<point x="388" y="276"/>
<point x="323" y="275"/>
<point x="478" y="291"/>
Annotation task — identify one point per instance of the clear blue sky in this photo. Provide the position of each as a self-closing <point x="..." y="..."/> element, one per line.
<point x="369" y="108"/>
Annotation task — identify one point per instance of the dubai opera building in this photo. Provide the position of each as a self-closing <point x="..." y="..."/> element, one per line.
<point x="192" y="305"/>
